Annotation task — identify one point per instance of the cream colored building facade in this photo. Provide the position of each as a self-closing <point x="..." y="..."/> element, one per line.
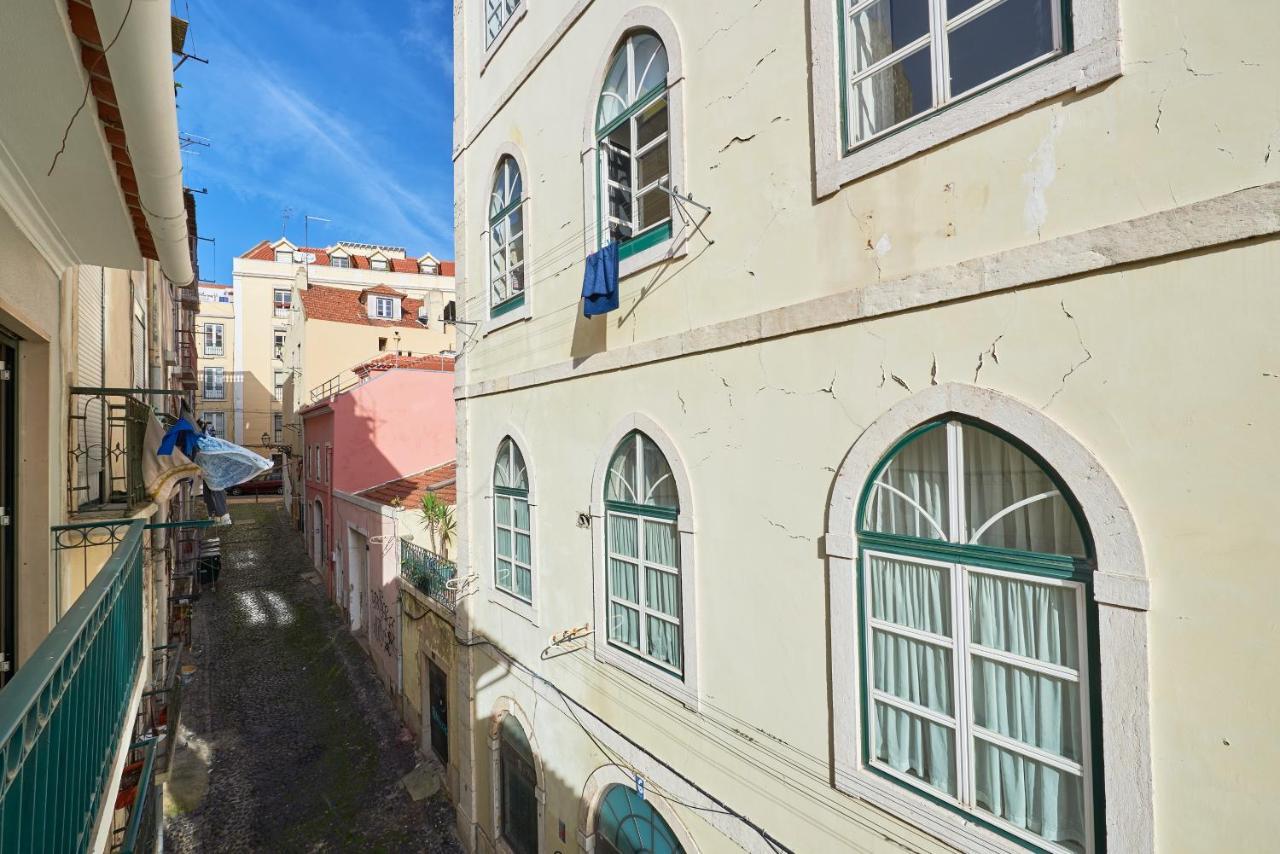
<point x="215" y="346"/>
<point x="1049" y="230"/>
<point x="267" y="281"/>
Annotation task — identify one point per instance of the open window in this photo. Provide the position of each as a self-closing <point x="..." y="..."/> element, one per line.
<point x="506" y="239"/>
<point x="633" y="143"/>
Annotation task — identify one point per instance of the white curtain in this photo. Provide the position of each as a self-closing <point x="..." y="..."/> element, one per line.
<point x="523" y="550"/>
<point x="915" y="596"/>
<point x="662" y="590"/>
<point x="996" y="476"/>
<point x="1036" y="621"/>
<point x="623" y="583"/>
<point x="918" y="472"/>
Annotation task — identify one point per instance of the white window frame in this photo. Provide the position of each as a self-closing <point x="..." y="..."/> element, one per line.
<point x="341" y="262"/>
<point x="219" y="416"/>
<point x="281" y="307"/>
<point x="514" y="12"/>
<point x="1121" y="593"/>
<point x="643" y="565"/>
<point x="524" y="310"/>
<point x="219" y="381"/>
<point x="502" y="596"/>
<point x="384" y="308"/>
<point x="213" y="339"/>
<point x="277" y="427"/>
<point x="1093" y="58"/>
<point x="684" y="689"/>
<point x="381" y="265"/>
<point x="278" y="379"/>
<point x="285" y="260"/>
<point x="278" y="337"/>
<point x="676" y="246"/>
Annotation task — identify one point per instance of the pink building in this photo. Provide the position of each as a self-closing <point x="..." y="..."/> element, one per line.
<point x="396" y="423"/>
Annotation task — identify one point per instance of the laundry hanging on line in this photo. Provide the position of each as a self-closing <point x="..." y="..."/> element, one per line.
<point x="600" y="281"/>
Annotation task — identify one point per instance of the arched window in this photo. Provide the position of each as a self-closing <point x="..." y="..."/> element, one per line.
<point x="506" y="238"/>
<point x="633" y="141"/>
<point x="519" y="792"/>
<point x="642" y="572"/>
<point x="628" y="824"/>
<point x="973" y="581"/>
<point x="512" y="528"/>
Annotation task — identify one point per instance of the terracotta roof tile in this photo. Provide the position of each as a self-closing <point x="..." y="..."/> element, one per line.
<point x="404" y="265"/>
<point x="264" y="251"/>
<point x="408" y="491"/>
<point x="410" y="362"/>
<point x="447" y="268"/>
<point x="343" y="305"/>
<point x="381" y="290"/>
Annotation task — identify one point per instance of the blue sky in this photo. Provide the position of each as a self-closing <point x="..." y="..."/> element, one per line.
<point x="341" y="109"/>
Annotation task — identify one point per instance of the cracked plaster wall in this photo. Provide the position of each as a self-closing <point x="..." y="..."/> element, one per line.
<point x="1165" y="372"/>
<point x="1193" y="116"/>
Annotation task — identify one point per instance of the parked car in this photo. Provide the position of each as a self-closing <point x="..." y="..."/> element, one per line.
<point x="267" y="483"/>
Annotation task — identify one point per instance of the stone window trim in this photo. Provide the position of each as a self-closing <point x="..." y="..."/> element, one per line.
<point x="675" y="247"/>
<point x="492" y="48"/>
<point x="524" y="311"/>
<point x="684" y="690"/>
<point x="502" y="707"/>
<point x="1121" y="591"/>
<point x="1094" y="59"/>
<point x="593" y="791"/>
<point x="497" y="596"/>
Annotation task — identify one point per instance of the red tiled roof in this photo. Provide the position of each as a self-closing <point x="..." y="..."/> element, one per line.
<point x="344" y="305"/>
<point x="407" y="362"/>
<point x="264" y="251"/>
<point x="381" y="290"/>
<point x="408" y="491"/>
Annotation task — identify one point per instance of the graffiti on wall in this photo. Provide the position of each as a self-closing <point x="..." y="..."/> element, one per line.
<point x="382" y="629"/>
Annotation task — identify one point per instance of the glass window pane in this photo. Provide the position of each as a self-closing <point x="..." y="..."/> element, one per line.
<point x="915" y="746"/>
<point x="623" y="583"/>
<point x="655" y="207"/>
<point x="651" y="63"/>
<point x="515" y="222"/>
<point x="624" y="625"/>
<point x="515" y="251"/>
<point x="651" y="123"/>
<point x="663" y="641"/>
<point x="502" y="574"/>
<point x="955" y="7"/>
<point x="622" y="483"/>
<point x="1000" y="40"/>
<point x="659" y="483"/>
<point x="614" y="98"/>
<point x="1027" y="794"/>
<point x="523" y="551"/>
<point x="661" y="543"/>
<point x="662" y="592"/>
<point x="917" y="672"/>
<point x="654" y="165"/>
<point x="502" y="541"/>
<point x="623" y="535"/>
<point x="516" y="277"/>
<point x="524" y="583"/>
<point x="914" y="595"/>
<point x="910" y="497"/>
<point x="883" y="28"/>
<point x="1037" y="621"/>
<point x="502" y="509"/>
<point x="892" y="95"/>
<point x="521" y="508"/>
<point x="1031" y="707"/>
<point x="627" y="824"/>
<point x="997" y="476"/>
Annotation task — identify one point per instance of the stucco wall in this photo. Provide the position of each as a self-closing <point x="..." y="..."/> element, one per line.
<point x="1162" y="371"/>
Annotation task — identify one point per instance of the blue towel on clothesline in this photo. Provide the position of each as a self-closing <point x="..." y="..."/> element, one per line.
<point x="182" y="431"/>
<point x="600" y="281"/>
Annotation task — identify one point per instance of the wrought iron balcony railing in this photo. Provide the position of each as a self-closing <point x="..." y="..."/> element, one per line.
<point x="64" y="714"/>
<point x="428" y="572"/>
<point x="108" y="428"/>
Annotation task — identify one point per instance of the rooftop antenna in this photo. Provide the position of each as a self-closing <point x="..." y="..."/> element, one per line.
<point x="308" y="255"/>
<point x="284" y="224"/>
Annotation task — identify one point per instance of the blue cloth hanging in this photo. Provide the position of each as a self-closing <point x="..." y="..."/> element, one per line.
<point x="182" y="431"/>
<point x="600" y="281"/>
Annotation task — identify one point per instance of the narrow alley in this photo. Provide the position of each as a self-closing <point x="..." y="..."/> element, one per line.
<point x="288" y="741"/>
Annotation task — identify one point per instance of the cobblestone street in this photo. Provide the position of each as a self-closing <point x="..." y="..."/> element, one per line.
<point x="288" y="742"/>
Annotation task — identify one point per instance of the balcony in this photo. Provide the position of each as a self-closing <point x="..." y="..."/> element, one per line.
<point x="429" y="573"/>
<point x="213" y="349"/>
<point x="108" y="427"/>
<point x="187" y="358"/>
<point x="66" y="713"/>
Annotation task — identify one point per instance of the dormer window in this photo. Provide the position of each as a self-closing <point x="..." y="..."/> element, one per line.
<point x="385" y="308"/>
<point x="378" y="264"/>
<point x="284" y="256"/>
<point x="427" y="268"/>
<point x="340" y="261"/>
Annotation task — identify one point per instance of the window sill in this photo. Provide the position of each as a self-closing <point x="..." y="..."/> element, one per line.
<point x="516" y="17"/>
<point x="507" y="318"/>
<point x="648" y="674"/>
<point x="1082" y="69"/>
<point x="671" y="249"/>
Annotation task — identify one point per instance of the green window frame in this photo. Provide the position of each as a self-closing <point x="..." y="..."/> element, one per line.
<point x="518" y="792"/>
<point x="512" y="524"/>
<point x="978" y="636"/>
<point x="626" y="822"/>
<point x="506" y="270"/>
<point x="910" y="64"/>
<point x="633" y="147"/>
<point x="643" y="573"/>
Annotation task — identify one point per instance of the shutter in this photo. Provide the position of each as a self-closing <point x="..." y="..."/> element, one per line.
<point x="90" y="421"/>
<point x="140" y="351"/>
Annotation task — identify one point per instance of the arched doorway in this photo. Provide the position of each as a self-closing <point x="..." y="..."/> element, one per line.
<point x="628" y="824"/>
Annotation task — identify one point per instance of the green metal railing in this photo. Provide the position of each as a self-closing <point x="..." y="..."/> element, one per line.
<point x="140" y="832"/>
<point x="63" y="715"/>
<point x="428" y="572"/>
